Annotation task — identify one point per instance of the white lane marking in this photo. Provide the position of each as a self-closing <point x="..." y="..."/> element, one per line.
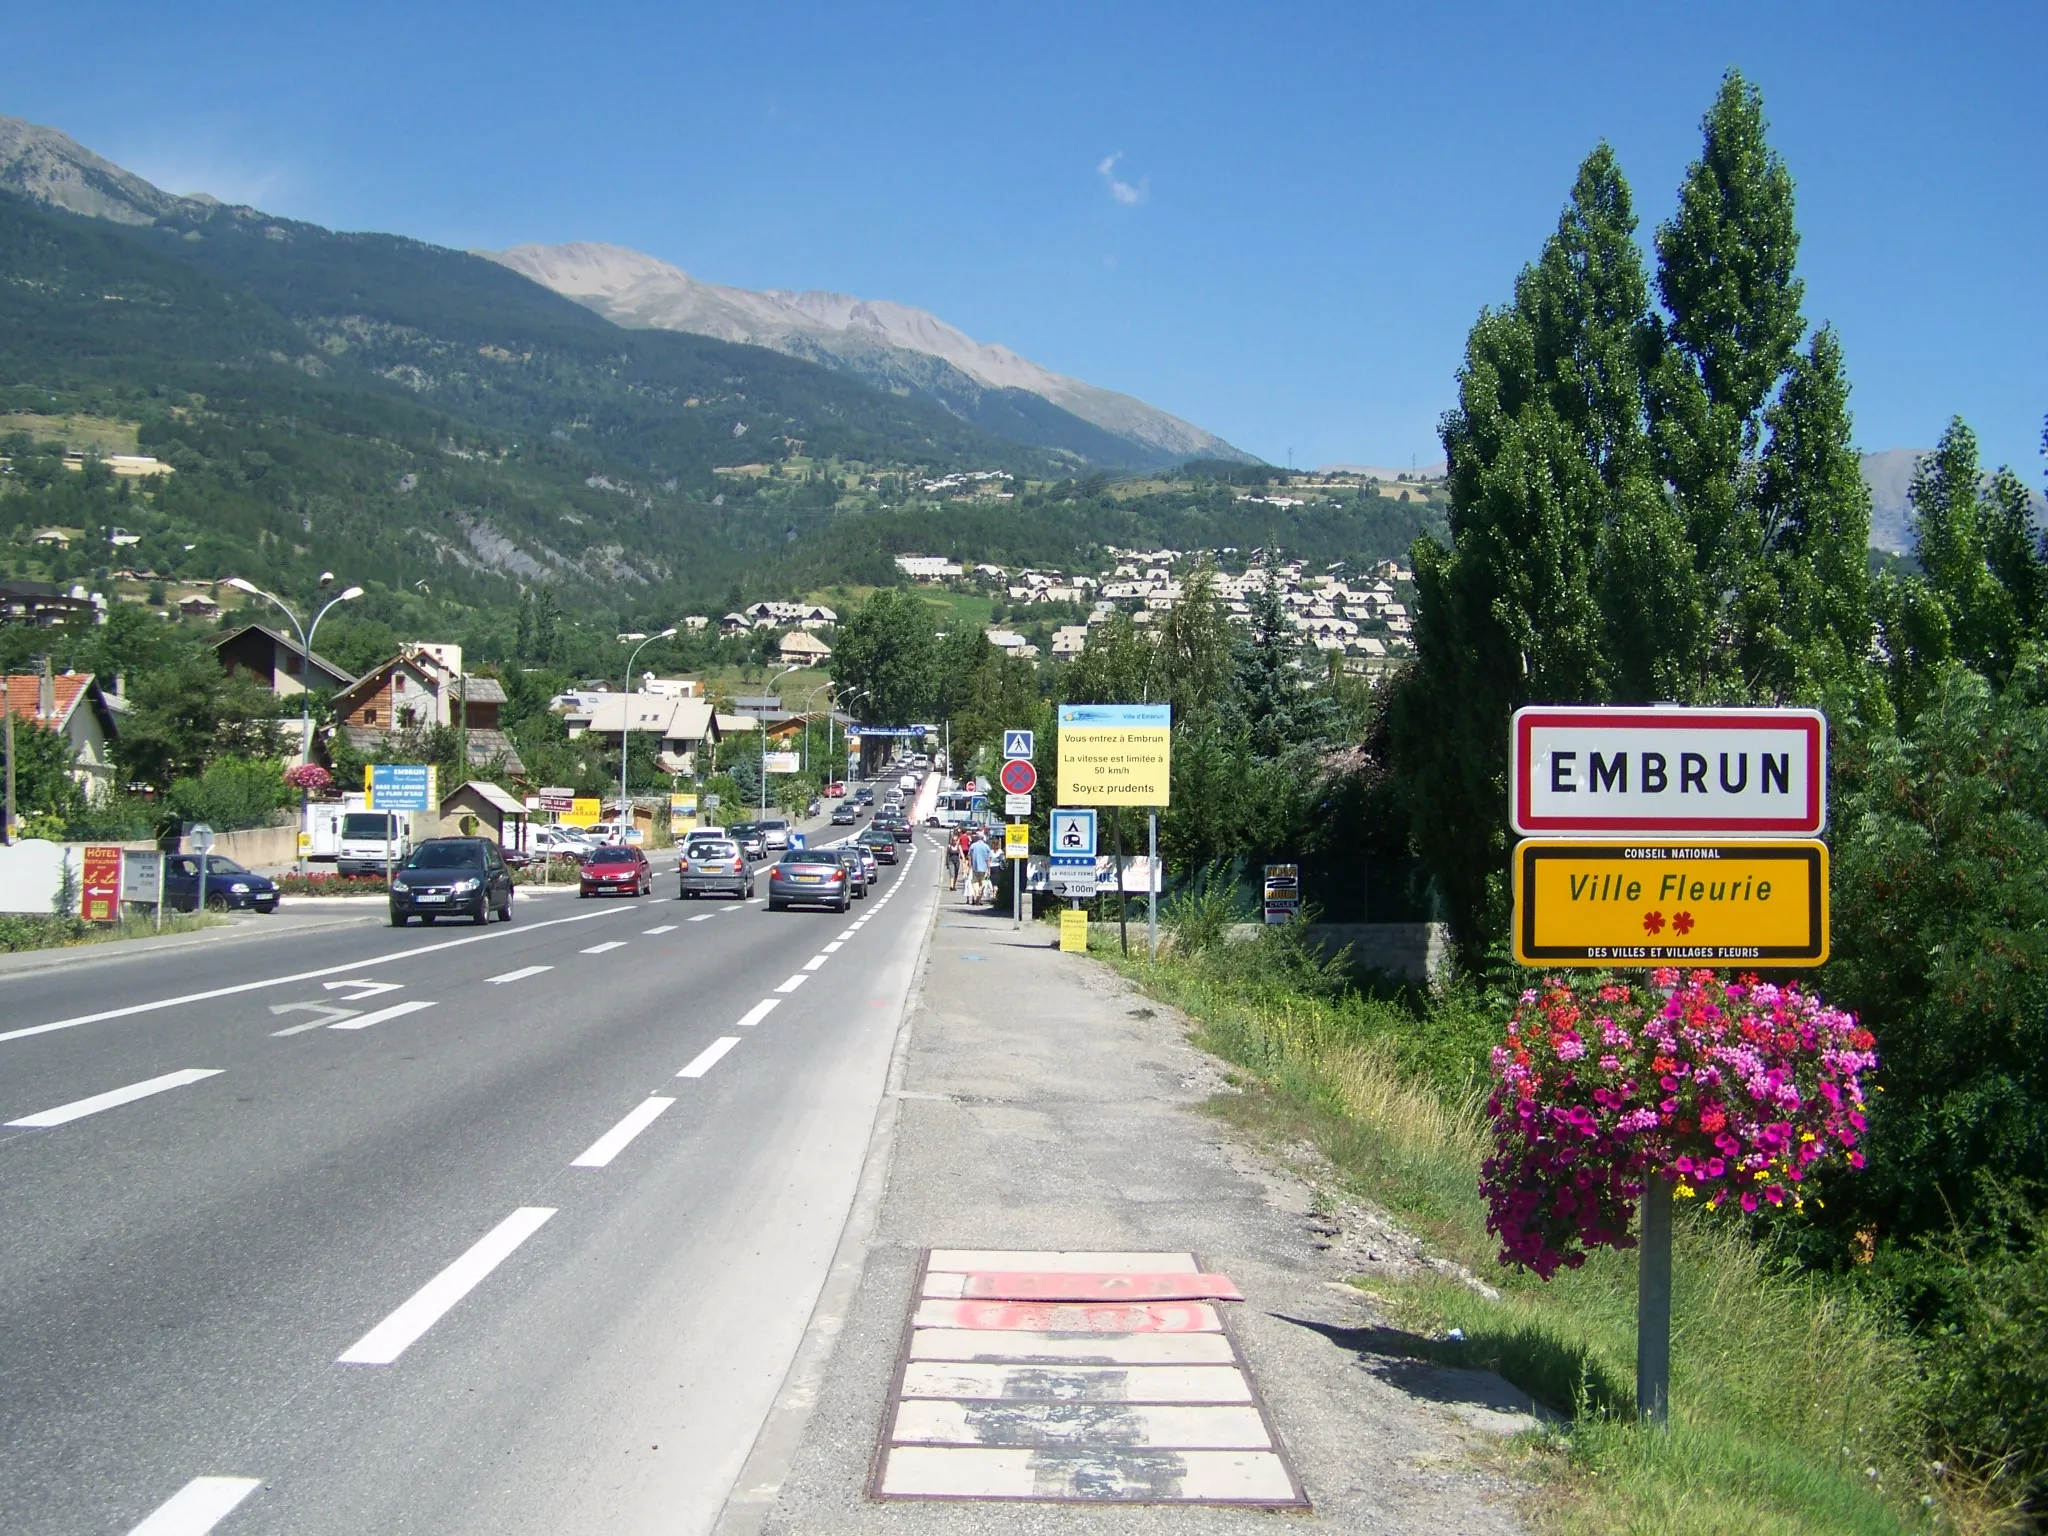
<point x="613" y="1142"/>
<point x="519" y="975"/>
<point x="664" y="928"/>
<point x="325" y="1015"/>
<point x="197" y="1507"/>
<point x="609" y="944"/>
<point x="752" y="900"/>
<point x="78" y="1109"/>
<point x="363" y="988"/>
<point x="844" y="936"/>
<point x="656" y="901"/>
<point x="815" y="961"/>
<point x="758" y="1012"/>
<point x="704" y="917"/>
<point x="794" y="982"/>
<point x="278" y="981"/>
<point x="432" y="1301"/>
<point x="708" y="1058"/>
<point x="395" y="1011"/>
<point x="834" y="947"/>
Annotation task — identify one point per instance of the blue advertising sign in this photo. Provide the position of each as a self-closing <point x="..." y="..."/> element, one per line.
<point x="399" y="786"/>
<point x="1125" y="717"/>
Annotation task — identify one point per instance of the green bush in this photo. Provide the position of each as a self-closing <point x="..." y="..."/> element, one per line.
<point x="233" y="793"/>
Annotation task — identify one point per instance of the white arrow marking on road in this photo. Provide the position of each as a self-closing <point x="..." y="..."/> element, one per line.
<point x="613" y="1142"/>
<point x="708" y="1058"/>
<point x="369" y="988"/>
<point x="395" y="1011"/>
<point x="197" y="1507"/>
<point x="79" y="1108"/>
<point x="327" y="1012"/>
<point x="432" y="1301"/>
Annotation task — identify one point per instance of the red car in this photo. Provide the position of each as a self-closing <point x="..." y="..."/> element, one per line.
<point x="615" y="871"/>
<point x="835" y="790"/>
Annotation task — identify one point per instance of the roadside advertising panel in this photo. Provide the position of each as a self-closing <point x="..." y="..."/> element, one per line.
<point x="1282" y="892"/>
<point x="583" y="812"/>
<point x="781" y="762"/>
<point x="1017" y="840"/>
<point x="1115" y="754"/>
<point x="400" y="787"/>
<point x="1599" y="772"/>
<point x="1074" y="931"/>
<point x="140" y="874"/>
<point x="99" y="885"/>
<point x="1655" y="903"/>
<point x="682" y="812"/>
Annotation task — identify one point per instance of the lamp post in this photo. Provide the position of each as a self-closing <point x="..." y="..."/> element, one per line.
<point x="838" y="703"/>
<point x="764" y="744"/>
<point x="626" y="715"/>
<point x="306" y="634"/>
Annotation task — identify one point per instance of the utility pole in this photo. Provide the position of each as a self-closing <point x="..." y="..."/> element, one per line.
<point x="7" y="710"/>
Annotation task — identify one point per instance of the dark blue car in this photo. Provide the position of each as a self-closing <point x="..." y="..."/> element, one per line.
<point x="228" y="885"/>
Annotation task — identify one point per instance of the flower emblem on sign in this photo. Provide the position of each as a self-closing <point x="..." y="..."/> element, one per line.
<point x="1653" y="922"/>
<point x="1681" y="924"/>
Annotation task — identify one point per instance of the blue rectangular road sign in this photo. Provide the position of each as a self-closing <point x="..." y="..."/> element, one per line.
<point x="401" y="786"/>
<point x="1016" y="744"/>
<point x="1073" y="838"/>
<point x="1130" y="717"/>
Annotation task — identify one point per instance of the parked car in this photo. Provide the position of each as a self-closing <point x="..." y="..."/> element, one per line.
<point x="856" y="868"/>
<point x="715" y="867"/>
<point x="228" y="886"/>
<point x="616" y="870"/>
<point x="372" y="841"/>
<point x="452" y="877"/>
<point x="560" y="843"/>
<point x="882" y="841"/>
<point x="809" y="877"/>
<point x="845" y="815"/>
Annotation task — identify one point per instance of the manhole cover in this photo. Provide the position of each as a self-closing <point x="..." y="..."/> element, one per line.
<point x="1077" y="1378"/>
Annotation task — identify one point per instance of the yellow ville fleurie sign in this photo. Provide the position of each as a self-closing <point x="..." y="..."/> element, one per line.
<point x="1657" y="902"/>
<point x="1115" y="754"/>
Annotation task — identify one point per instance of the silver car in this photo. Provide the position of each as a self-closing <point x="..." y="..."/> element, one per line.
<point x="715" y="868"/>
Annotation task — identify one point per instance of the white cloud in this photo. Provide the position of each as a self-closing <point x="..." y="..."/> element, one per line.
<point x="1127" y="193"/>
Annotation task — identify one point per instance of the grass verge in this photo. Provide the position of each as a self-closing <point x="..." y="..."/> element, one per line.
<point x="1795" y="1406"/>
<point x="20" y="933"/>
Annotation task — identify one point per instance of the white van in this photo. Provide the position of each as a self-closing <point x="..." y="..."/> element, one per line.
<point x="371" y="841"/>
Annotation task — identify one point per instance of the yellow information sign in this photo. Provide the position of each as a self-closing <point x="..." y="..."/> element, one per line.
<point x="1115" y="754"/>
<point x="1016" y="839"/>
<point x="1074" y="931"/>
<point x="1654" y="903"/>
<point x="582" y="813"/>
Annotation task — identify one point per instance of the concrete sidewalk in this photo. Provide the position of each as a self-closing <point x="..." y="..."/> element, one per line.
<point x="1042" y="1104"/>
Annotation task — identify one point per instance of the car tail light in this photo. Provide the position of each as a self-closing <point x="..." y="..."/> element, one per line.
<point x="739" y="866"/>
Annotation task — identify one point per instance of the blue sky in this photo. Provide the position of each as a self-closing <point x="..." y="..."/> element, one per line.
<point x="1277" y="221"/>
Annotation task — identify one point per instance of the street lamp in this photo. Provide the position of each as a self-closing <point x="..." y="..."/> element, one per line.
<point x="306" y="634"/>
<point x="840" y="703"/>
<point x="626" y="714"/>
<point x="764" y="743"/>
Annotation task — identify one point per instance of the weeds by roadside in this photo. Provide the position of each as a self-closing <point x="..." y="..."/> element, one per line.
<point x="19" y="933"/>
<point x="1797" y="1407"/>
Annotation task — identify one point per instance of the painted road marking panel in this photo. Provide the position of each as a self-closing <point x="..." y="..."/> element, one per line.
<point x="433" y="1301"/>
<point x="1010" y="1391"/>
<point x="815" y="961"/>
<point x="363" y="989"/>
<point x="975" y="1345"/>
<point x="794" y="982"/>
<point x="608" y="1146"/>
<point x="519" y="975"/>
<point x="664" y="928"/>
<point x="939" y="1421"/>
<point x="983" y="1260"/>
<point x="703" y="917"/>
<point x="197" y="1507"/>
<point x="709" y="1057"/>
<point x="1118" y="1477"/>
<point x="1055" y="1286"/>
<point x="395" y="1011"/>
<point x="609" y="944"/>
<point x="1020" y="1382"/>
<point x="758" y="1012"/>
<point x="78" y="1109"/>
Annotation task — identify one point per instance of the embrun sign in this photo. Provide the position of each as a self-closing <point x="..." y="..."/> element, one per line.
<point x="1578" y="769"/>
<point x="1115" y="754"/>
<point x="1653" y="903"/>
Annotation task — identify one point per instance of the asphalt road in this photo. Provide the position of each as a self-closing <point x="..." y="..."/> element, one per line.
<point x="448" y="1263"/>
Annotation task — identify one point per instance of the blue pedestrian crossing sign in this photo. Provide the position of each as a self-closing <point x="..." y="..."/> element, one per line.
<point x="1016" y="744"/>
<point x="1073" y="837"/>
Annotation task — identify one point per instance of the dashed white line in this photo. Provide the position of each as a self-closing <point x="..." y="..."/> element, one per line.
<point x="844" y="936"/>
<point x="519" y="975"/>
<point x="664" y="928"/>
<point x="794" y="982"/>
<point x="609" y="944"/>
<point x="835" y="946"/>
<point x="78" y="1109"/>
<point x="395" y="1011"/>
<point x="815" y="961"/>
<point x="709" y="1057"/>
<point x="758" y="1012"/>
<point x="197" y="1507"/>
<point x="613" y="1142"/>
<point x="432" y="1301"/>
<point x="703" y="917"/>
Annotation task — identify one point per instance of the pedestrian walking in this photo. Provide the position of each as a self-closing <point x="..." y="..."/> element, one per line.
<point x="978" y="857"/>
<point x="952" y="864"/>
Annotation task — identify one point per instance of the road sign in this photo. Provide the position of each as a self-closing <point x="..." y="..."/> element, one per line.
<point x="99" y="886"/>
<point x="139" y="874"/>
<point x="1283" y="892"/>
<point x="583" y="812"/>
<point x="1016" y="805"/>
<point x="400" y="786"/>
<point x="1578" y="770"/>
<point x="1077" y="881"/>
<point x="1663" y="902"/>
<point x="1017" y="744"/>
<point x="1073" y="838"/>
<point x="1017" y="840"/>
<point x="711" y="802"/>
<point x="1018" y="776"/>
<point x="200" y="836"/>
<point x="1116" y="754"/>
<point x="781" y="762"/>
<point x="1074" y="931"/>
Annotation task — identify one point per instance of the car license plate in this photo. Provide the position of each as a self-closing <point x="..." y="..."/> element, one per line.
<point x="807" y="879"/>
<point x="427" y="896"/>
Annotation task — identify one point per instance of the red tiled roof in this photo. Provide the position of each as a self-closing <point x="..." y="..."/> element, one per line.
<point x="25" y="689"/>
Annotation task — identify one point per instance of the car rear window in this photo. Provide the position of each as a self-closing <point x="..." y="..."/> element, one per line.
<point x="711" y="850"/>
